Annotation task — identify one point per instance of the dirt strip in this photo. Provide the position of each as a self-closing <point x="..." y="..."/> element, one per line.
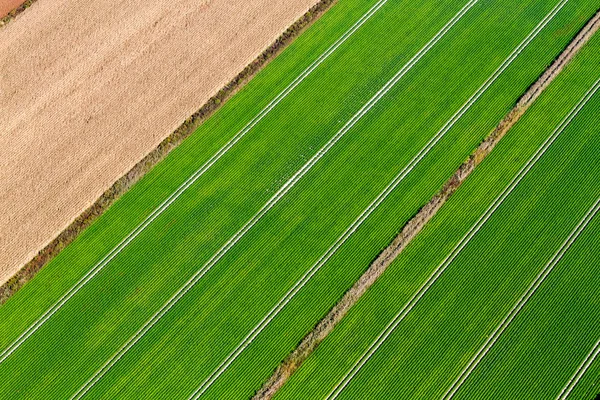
<point x="310" y="342"/>
<point x="103" y="161"/>
<point x="9" y="9"/>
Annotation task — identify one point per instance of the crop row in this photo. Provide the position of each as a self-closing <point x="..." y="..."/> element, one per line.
<point x="275" y="246"/>
<point x="163" y="256"/>
<point x="192" y="338"/>
<point x="462" y="309"/>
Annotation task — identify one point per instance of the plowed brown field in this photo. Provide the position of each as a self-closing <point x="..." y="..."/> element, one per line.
<point x="88" y="88"/>
<point x="7" y="6"/>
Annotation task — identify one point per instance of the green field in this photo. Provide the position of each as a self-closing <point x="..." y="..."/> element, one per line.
<point x="230" y="298"/>
<point x="554" y="331"/>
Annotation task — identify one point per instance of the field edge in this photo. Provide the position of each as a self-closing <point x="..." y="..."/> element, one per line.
<point x="186" y="129"/>
<point x="327" y="323"/>
<point x="15" y="12"/>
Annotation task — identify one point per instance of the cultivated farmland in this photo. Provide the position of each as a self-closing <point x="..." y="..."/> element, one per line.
<point x="495" y="298"/>
<point x="8" y="6"/>
<point x="104" y="82"/>
<point x="204" y="276"/>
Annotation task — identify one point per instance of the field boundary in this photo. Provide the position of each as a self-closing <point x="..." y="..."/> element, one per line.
<point x="399" y="177"/>
<point x="458" y="248"/>
<point x="15" y="12"/>
<point x="123" y="184"/>
<point x="282" y="191"/>
<point x="310" y="342"/>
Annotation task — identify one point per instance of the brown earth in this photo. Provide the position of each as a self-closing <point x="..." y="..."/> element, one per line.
<point x="87" y="89"/>
<point x="7" y="6"/>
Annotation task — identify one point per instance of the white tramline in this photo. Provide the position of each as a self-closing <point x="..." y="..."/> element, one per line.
<point x="581" y="370"/>
<point x="184" y="186"/>
<point x="540" y="278"/>
<point x="372" y="206"/>
<point x="585" y="365"/>
<point x="270" y="203"/>
<point x="391" y="326"/>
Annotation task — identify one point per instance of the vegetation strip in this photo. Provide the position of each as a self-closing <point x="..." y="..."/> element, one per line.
<point x="399" y="317"/>
<point x="414" y="226"/>
<point x="13" y="14"/>
<point x="491" y="340"/>
<point x="183" y="187"/>
<point x="160" y="152"/>
<point x="272" y="201"/>
<point x="373" y="205"/>
<point x="581" y="370"/>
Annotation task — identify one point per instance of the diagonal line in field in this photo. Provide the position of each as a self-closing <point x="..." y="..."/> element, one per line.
<point x="581" y="370"/>
<point x="491" y="340"/>
<point x="272" y="201"/>
<point x="184" y="186"/>
<point x="372" y="206"/>
<point x="391" y="326"/>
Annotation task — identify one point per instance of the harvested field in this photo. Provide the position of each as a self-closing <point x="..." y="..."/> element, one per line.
<point x="7" y="6"/>
<point x="89" y="88"/>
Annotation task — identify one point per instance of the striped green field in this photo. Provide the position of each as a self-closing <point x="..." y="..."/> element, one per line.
<point x="508" y="315"/>
<point x="160" y="316"/>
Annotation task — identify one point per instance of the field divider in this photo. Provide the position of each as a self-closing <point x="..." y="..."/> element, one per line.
<point x="293" y="361"/>
<point x="186" y="184"/>
<point x="372" y="206"/>
<point x="12" y="14"/>
<point x="540" y="278"/>
<point x="270" y="203"/>
<point x="399" y="317"/>
<point x="580" y="372"/>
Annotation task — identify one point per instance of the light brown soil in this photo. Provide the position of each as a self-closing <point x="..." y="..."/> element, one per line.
<point x="7" y="6"/>
<point x="312" y="340"/>
<point x="87" y="89"/>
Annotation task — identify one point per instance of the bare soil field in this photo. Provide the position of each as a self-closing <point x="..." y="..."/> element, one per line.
<point x="7" y="6"/>
<point x="87" y="89"/>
